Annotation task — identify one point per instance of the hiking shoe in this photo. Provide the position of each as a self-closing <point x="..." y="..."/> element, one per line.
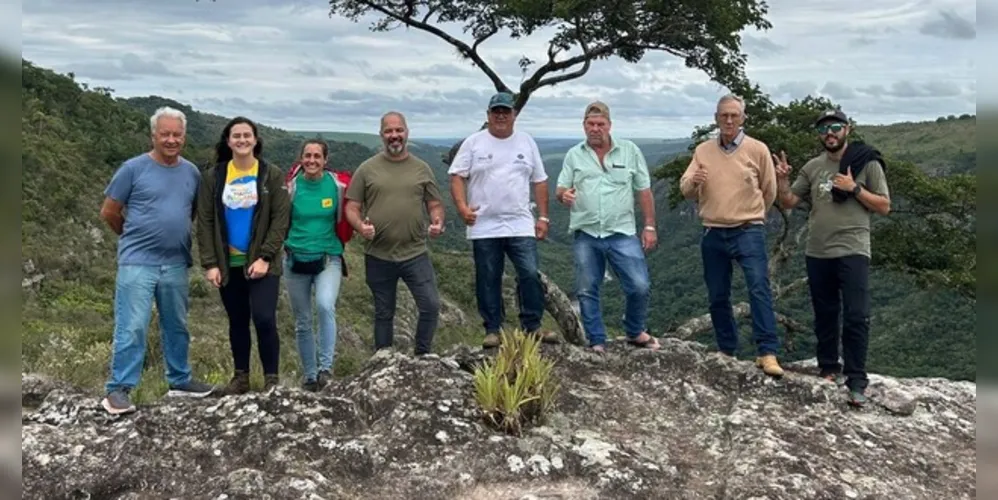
<point x="856" y="398"/>
<point x="117" y="402"/>
<point x="238" y="385"/>
<point x="546" y="336"/>
<point x="191" y="389"/>
<point x="311" y="386"/>
<point x="270" y="382"/>
<point x="769" y="365"/>
<point x="491" y="340"/>
<point x="324" y="378"/>
<point x="836" y="378"/>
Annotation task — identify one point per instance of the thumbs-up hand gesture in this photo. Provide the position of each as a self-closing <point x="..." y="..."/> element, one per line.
<point x="845" y="181"/>
<point x="700" y="176"/>
<point x="568" y="197"/>
<point x="436" y="228"/>
<point x="469" y="215"/>
<point x="783" y="167"/>
<point x="367" y="229"/>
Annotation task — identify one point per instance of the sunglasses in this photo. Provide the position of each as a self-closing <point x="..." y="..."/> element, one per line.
<point x="833" y="127"/>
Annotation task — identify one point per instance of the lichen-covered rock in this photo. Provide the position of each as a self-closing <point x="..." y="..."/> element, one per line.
<point x="679" y="423"/>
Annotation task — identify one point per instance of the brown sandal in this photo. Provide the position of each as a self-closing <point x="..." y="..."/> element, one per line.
<point x="650" y="343"/>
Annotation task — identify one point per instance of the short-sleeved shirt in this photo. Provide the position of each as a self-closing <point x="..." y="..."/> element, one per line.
<point x="313" y="218"/>
<point x="159" y="207"/>
<point x="604" y="194"/>
<point x="393" y="195"/>
<point x="836" y="229"/>
<point x="499" y="173"/>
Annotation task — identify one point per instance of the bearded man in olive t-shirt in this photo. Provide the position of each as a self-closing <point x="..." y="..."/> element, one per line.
<point x="843" y="185"/>
<point x="391" y="190"/>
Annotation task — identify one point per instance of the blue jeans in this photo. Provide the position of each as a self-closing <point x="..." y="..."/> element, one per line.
<point x="747" y="246"/>
<point x="137" y="288"/>
<point x="327" y="289"/>
<point x="627" y="260"/>
<point x="490" y="260"/>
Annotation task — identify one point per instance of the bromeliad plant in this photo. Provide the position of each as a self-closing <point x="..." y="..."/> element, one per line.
<point x="515" y="387"/>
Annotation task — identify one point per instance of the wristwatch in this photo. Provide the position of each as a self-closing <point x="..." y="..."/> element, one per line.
<point x="856" y="190"/>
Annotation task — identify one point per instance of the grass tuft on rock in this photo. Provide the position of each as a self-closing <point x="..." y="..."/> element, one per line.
<point x="516" y="387"/>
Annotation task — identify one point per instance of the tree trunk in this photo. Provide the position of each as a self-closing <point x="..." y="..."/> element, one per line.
<point x="560" y="308"/>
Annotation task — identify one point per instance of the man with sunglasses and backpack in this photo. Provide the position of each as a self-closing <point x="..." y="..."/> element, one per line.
<point x="843" y="186"/>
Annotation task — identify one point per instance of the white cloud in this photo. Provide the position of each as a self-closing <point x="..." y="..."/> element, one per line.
<point x="288" y="64"/>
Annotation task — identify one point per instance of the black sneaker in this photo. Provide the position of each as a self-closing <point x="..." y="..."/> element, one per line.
<point x="310" y="386"/>
<point x="191" y="389"/>
<point x="117" y="402"/>
<point x="324" y="378"/>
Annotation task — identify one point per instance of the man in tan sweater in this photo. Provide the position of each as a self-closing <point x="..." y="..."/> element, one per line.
<point x="733" y="180"/>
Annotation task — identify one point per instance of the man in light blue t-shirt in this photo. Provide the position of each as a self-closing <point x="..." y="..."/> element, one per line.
<point x="150" y="203"/>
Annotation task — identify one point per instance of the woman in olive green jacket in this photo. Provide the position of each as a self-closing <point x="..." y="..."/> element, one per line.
<point x="242" y="220"/>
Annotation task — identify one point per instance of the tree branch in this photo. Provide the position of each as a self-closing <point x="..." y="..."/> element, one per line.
<point x="479" y="40"/>
<point x="702" y="324"/>
<point x="462" y="47"/>
<point x="429" y="13"/>
<point x="780" y="251"/>
<point x="782" y="291"/>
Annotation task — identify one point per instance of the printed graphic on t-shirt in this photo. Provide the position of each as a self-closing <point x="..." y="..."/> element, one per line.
<point x="825" y="186"/>
<point x="240" y="193"/>
<point x="239" y="196"/>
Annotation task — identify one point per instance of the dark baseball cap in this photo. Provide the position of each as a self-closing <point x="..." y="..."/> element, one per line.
<point x="832" y="115"/>
<point x="501" y="100"/>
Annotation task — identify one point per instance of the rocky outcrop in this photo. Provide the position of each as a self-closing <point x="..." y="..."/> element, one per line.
<point x="679" y="423"/>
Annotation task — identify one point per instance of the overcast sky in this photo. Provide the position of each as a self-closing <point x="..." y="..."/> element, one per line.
<point x="287" y="63"/>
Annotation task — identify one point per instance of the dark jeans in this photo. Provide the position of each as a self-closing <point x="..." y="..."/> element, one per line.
<point x="747" y="246"/>
<point x="418" y="275"/>
<point x="627" y="261"/>
<point x="490" y="260"/>
<point x="837" y="286"/>
<point x="245" y="299"/>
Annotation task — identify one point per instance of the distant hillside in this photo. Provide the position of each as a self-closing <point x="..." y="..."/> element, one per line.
<point x="279" y="146"/>
<point x="372" y="141"/>
<point x="946" y="145"/>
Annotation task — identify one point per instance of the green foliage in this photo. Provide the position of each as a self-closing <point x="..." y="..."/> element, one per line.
<point x="932" y="230"/>
<point x="516" y="387"/>
<point x="703" y="33"/>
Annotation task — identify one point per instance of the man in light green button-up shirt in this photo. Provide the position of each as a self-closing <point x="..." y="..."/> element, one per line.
<point x="598" y="180"/>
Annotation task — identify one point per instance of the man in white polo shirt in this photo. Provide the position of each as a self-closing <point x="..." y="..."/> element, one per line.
<point x="491" y="177"/>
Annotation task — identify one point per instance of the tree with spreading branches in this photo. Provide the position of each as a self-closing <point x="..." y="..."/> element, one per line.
<point x="703" y="33"/>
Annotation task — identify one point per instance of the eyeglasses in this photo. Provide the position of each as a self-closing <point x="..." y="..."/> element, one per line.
<point x="834" y="127"/>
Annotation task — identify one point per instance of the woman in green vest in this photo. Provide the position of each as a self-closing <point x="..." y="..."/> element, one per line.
<point x="313" y="258"/>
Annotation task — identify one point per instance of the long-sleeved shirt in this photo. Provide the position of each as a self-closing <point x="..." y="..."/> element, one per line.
<point x="740" y="185"/>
